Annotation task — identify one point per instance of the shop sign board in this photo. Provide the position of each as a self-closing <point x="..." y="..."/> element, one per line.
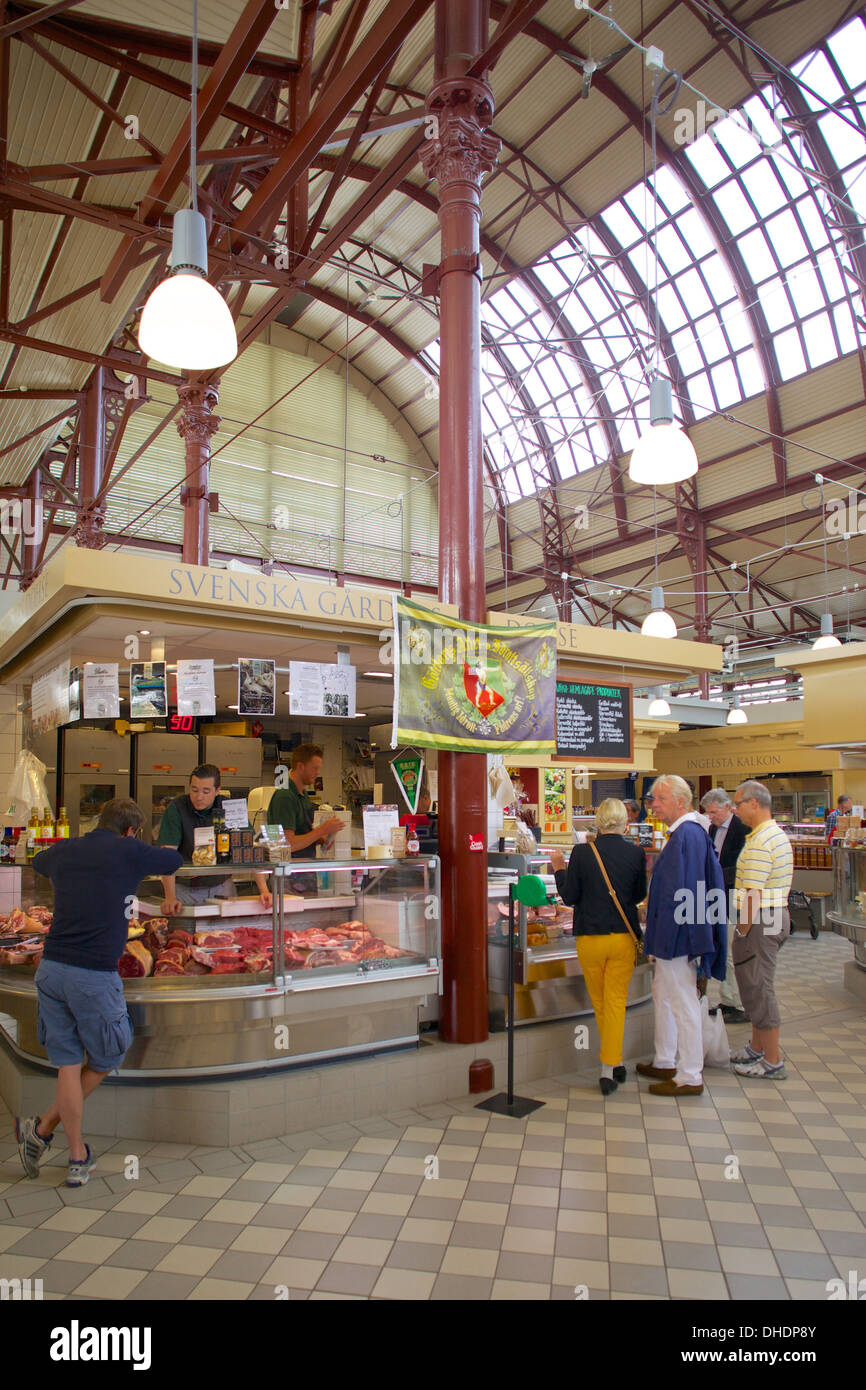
<point x="594" y="722"/>
<point x="470" y="687"/>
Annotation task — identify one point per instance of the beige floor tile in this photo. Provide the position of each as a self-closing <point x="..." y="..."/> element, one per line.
<point x="362" y="1250"/>
<point x="461" y="1260"/>
<point x="545" y="1127"/>
<point x="595" y="1182"/>
<point x="404" y="1284"/>
<point x="375" y="1146"/>
<point x="235" y="1213"/>
<point x="631" y="1203"/>
<point x="458" y="1153"/>
<point x="421" y="1134"/>
<point x="144" y="1203"/>
<point x="295" y="1195"/>
<point x="388" y="1203"/>
<point x="296" y="1273"/>
<point x="635" y="1167"/>
<point x="91" y="1250"/>
<point x="832" y="1220"/>
<point x="215" y="1187"/>
<point x="72" y="1219"/>
<point x="220" y="1290"/>
<point x="676" y="1187"/>
<point x="540" y="1158"/>
<point x="490" y="1213"/>
<point x="697" y="1283"/>
<point x="324" y="1158"/>
<point x="189" y="1259"/>
<point x="444" y="1188"/>
<point x="427" y="1232"/>
<point x="114" y="1283"/>
<point x="741" y="1259"/>
<point x="410" y="1167"/>
<point x="326" y="1221"/>
<point x="528" y="1241"/>
<point x="473" y="1122"/>
<point x="9" y="1234"/>
<point x="494" y="1172"/>
<point x="512" y="1291"/>
<point x="259" y="1240"/>
<point x="524" y="1196"/>
<point x="266" y="1172"/>
<point x="626" y="1250"/>
<point x="24" y="1266"/>
<point x="584" y="1146"/>
<point x="355" y="1179"/>
<point x="776" y="1196"/>
<point x="169" y="1228"/>
<point x="595" y="1274"/>
<point x="794" y="1238"/>
<point x="502" y="1141"/>
<point x="590" y="1223"/>
<point x="733" y="1211"/>
<point x="699" y="1232"/>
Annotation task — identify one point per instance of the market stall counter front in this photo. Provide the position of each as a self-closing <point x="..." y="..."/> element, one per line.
<point x="339" y="967"/>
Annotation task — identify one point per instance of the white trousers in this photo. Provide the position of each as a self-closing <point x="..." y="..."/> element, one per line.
<point x="678" y="1038"/>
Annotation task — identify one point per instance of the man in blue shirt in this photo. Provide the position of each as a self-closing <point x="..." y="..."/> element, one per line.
<point x="82" y="1009"/>
<point x="686" y="935"/>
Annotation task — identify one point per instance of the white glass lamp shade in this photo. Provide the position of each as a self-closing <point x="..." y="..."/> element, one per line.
<point x="663" y="453"/>
<point x="736" y="714"/>
<point x="828" y="637"/>
<point x="659" y="707"/>
<point x="187" y="323"/>
<point x="658" y="622"/>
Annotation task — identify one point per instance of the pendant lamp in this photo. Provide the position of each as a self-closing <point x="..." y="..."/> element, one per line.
<point x="664" y="453"/>
<point x="186" y="322"/>
<point x="828" y="638"/>
<point x="658" y="622"/>
<point x="659" y="707"/>
<point x="736" y="714"/>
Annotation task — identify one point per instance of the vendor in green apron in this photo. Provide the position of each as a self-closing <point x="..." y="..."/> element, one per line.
<point x="181" y="819"/>
<point x="291" y="808"/>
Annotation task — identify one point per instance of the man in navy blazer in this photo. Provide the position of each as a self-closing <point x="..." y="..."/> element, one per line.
<point x="686" y="933"/>
<point x="728" y="835"/>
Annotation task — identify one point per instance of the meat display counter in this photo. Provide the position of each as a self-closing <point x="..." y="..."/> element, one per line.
<point x="549" y="982"/>
<point x="848" y="916"/>
<point x="339" y="966"/>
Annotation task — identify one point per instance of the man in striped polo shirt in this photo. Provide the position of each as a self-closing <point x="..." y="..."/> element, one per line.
<point x="765" y="870"/>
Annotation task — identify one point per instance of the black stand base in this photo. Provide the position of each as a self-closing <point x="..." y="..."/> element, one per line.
<point x="516" y="1108"/>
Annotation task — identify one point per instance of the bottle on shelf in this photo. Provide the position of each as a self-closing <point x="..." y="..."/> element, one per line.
<point x="223" y="840"/>
<point x="7" y="847"/>
<point x="47" y="827"/>
<point x="33" y="828"/>
<point x="62" y="828"/>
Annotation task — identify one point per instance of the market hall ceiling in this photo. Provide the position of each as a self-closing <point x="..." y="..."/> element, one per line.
<point x="310" y="120"/>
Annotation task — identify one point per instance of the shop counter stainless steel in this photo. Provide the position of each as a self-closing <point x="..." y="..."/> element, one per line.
<point x="848" y="917"/>
<point x="223" y="1024"/>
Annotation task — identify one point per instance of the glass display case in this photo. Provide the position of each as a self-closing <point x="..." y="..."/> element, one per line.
<point x="549" y="982"/>
<point x="341" y="963"/>
<point x="848" y="916"/>
<point x="809" y="843"/>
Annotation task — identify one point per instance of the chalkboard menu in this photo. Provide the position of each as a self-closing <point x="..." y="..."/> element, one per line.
<point x="594" y="722"/>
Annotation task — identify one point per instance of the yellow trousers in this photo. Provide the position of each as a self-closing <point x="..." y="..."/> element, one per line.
<point x="607" y="963"/>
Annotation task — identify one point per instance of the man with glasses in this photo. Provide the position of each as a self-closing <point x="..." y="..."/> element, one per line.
<point x="765" y="870"/>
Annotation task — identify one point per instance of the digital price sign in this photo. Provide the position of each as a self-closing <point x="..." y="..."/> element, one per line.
<point x="181" y="724"/>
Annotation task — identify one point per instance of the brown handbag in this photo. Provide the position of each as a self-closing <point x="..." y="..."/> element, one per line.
<point x="639" y="955"/>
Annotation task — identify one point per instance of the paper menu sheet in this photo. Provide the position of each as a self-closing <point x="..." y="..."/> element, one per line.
<point x="101" y="690"/>
<point x="379" y="821"/>
<point x="195" y="688"/>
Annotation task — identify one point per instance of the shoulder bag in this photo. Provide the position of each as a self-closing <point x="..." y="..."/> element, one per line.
<point x="639" y="956"/>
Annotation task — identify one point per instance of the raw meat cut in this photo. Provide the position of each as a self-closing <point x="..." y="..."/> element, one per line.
<point x="213" y="938"/>
<point x="253" y="964"/>
<point x="167" y="967"/>
<point x="129" y="967"/>
<point x="178" y="954"/>
<point x="228" y="968"/>
<point x="193" y="967"/>
<point x="135" y="948"/>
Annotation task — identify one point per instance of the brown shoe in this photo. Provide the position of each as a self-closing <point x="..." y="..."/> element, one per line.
<point x="657" y="1073"/>
<point x="670" y="1088"/>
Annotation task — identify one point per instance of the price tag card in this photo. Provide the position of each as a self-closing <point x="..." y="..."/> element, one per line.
<point x="236" y="813"/>
<point x="379" y="821"/>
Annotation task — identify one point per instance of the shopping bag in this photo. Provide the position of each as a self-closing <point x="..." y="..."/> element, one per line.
<point x="26" y="790"/>
<point x="717" y="1051"/>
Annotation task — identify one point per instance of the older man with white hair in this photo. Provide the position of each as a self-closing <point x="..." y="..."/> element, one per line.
<point x="686" y="935"/>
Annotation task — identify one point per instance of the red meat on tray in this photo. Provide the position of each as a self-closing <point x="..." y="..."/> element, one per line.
<point x="167" y="967"/>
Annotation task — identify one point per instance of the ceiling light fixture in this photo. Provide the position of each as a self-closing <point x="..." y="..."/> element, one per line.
<point x="828" y="638"/>
<point x="658" y="622"/>
<point x="186" y="322"/>
<point x="659" y="707"/>
<point x="736" y="714"/>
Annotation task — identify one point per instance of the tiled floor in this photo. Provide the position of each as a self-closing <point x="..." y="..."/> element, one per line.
<point x="753" y="1190"/>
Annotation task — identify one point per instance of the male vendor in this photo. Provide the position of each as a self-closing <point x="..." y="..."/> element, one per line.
<point x="181" y="819"/>
<point x="291" y="808"/>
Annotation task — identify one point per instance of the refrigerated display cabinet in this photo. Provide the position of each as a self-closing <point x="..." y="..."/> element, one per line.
<point x="848" y="915"/>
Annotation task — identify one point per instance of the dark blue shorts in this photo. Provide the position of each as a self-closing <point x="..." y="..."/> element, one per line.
<point x="82" y="1011"/>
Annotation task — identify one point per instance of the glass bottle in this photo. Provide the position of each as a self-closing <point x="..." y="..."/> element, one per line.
<point x="62" y="829"/>
<point x="33" y="828"/>
<point x="223" y="840"/>
<point x="47" y="825"/>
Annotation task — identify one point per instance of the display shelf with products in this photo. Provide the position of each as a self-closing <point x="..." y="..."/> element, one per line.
<point x="848" y="915"/>
<point x="549" y="982"/>
<point x="344" y="963"/>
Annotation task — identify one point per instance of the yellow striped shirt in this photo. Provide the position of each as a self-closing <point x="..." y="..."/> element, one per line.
<point x="766" y="863"/>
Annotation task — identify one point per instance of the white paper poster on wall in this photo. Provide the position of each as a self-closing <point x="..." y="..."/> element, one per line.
<point x="148" y="696"/>
<point x="195" y="688"/>
<point x="49" y="699"/>
<point x="101" y="690"/>
<point x="322" y="689"/>
<point x="256" y="685"/>
<point x="379" y="821"/>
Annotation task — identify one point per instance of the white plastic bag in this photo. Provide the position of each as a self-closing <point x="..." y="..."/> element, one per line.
<point x="502" y="791"/>
<point x="717" y="1050"/>
<point x="26" y="789"/>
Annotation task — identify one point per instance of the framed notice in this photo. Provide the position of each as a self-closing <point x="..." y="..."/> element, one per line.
<point x="322" y="689"/>
<point x="256" y="686"/>
<point x="147" y="690"/>
<point x="49" y="699"/>
<point x="379" y="821"/>
<point x="101" y="690"/>
<point x="594" y="723"/>
<point x="195" y="688"/>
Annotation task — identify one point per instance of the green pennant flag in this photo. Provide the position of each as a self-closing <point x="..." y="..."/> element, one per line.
<point x="409" y="771"/>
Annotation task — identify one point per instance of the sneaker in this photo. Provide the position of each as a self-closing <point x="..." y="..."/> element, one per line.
<point x="746" y="1054"/>
<point x="31" y="1146"/>
<point x="80" y="1170"/>
<point x="761" y="1067"/>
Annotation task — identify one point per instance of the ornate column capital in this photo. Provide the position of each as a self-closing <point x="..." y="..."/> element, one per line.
<point x="198" y="421"/>
<point x="459" y="149"/>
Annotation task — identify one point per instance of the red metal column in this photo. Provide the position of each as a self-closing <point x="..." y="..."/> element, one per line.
<point x="195" y="426"/>
<point x="31" y="545"/>
<point x="457" y="157"/>
<point x="91" y="462"/>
